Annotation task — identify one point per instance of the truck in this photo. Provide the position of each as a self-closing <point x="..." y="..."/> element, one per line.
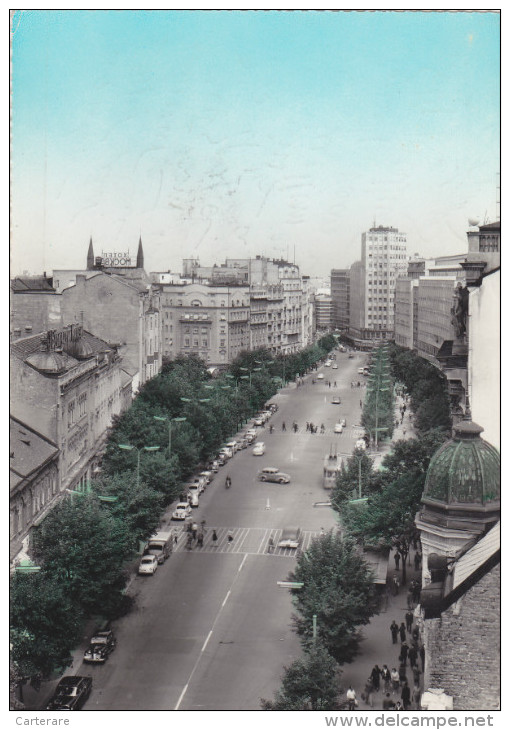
<point x="332" y="465"/>
<point x="160" y="545"/>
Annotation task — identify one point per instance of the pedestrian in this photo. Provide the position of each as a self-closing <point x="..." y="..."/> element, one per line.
<point x="416" y="696"/>
<point x="422" y="657"/>
<point x="386" y="677"/>
<point x="406" y="696"/>
<point x="404" y="650"/>
<point x="376" y="677"/>
<point x="409" y="620"/>
<point x="410" y="602"/>
<point x="230" y="536"/>
<point x="388" y="703"/>
<point x="214" y="537"/>
<point x="334" y="384"/>
<point x="368" y="694"/>
<point x="396" y="585"/>
<point x="323" y="428"/>
<point x="361" y="404"/>
<point x="402" y="674"/>
<point x="396" y="558"/>
<point x="416" y="675"/>
<point x="176" y="537"/>
<point x="200" y="539"/>
<point x="270" y="545"/>
<point x="351" y="698"/>
<point x="307" y="426"/>
<point x="395" y="680"/>
<point x="402" y="630"/>
<point x="394" y="631"/>
<point x="194" y="530"/>
<point x="189" y="542"/>
<point x="416" y="633"/>
<point x="329" y="383"/>
<point x="413" y="655"/>
<point x="284" y="428"/>
<point x="417" y="560"/>
<point x="399" y="705"/>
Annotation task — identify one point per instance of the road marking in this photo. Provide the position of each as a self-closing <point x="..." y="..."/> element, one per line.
<point x="242" y="563"/>
<point x="262" y="542"/>
<point x="180" y="698"/>
<point x="206" y="641"/>
<point x="226" y="597"/>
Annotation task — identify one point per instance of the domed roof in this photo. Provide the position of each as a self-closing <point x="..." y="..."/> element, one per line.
<point x="465" y="470"/>
<point x="48" y="362"/>
<point x="80" y="349"/>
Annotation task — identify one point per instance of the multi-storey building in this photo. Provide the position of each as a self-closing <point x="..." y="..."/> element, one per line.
<point x="323" y="311"/>
<point x="67" y="385"/>
<point x="34" y="482"/>
<point x="211" y="321"/>
<point x="340" y="294"/>
<point x="383" y="260"/>
<point x="35" y="305"/>
<point x="405" y="289"/>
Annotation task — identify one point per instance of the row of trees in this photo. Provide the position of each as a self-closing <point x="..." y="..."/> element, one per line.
<point x="338" y="594"/>
<point x="176" y="423"/>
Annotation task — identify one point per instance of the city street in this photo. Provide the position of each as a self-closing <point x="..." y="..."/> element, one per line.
<point x="211" y="630"/>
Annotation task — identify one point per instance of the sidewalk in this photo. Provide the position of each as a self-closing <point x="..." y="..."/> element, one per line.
<point x="377" y="646"/>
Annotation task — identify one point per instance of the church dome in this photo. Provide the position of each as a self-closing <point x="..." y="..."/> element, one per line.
<point x="464" y="471"/>
<point x="52" y="363"/>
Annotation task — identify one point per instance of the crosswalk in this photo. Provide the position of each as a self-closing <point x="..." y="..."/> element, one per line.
<point x="245" y="540"/>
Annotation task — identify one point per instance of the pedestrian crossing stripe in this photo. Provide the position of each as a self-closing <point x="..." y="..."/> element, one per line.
<point x="246" y="540"/>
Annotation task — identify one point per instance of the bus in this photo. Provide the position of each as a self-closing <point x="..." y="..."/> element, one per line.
<point x="332" y="465"/>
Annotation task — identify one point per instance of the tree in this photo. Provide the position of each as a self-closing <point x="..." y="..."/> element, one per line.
<point x="138" y="507"/>
<point x="45" y="624"/>
<point x="387" y="514"/>
<point x="353" y="477"/>
<point x="85" y="547"/>
<point x="338" y="588"/>
<point x="410" y="455"/>
<point x="310" y="683"/>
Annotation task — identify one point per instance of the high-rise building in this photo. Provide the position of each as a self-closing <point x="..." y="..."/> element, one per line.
<point x="372" y="286"/>
<point x="340" y="294"/>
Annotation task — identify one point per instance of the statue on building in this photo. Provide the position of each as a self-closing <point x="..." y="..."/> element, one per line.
<point x="460" y="309"/>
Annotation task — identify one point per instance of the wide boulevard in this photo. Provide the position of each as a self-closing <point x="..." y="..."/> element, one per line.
<point x="212" y="630"/>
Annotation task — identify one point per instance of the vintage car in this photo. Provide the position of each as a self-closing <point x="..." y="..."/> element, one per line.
<point x="101" y="646"/>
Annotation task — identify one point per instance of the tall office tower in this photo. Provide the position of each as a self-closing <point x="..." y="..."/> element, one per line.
<point x="340" y="293"/>
<point x="383" y="260"/>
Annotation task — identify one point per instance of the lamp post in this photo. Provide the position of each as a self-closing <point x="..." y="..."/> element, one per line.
<point x="170" y="421"/>
<point x="129" y="447"/>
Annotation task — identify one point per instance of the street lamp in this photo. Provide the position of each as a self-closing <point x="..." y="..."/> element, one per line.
<point x="128" y="447"/>
<point x="170" y="421"/>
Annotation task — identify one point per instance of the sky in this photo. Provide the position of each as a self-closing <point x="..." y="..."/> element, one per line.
<point x="231" y="133"/>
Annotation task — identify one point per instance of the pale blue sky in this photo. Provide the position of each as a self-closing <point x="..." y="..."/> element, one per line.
<point x="236" y="133"/>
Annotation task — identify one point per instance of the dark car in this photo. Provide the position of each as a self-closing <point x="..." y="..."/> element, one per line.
<point x="101" y="646"/>
<point x="71" y="693"/>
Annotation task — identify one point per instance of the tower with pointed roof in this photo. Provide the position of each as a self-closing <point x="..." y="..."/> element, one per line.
<point x="90" y="256"/>
<point x="139" y="255"/>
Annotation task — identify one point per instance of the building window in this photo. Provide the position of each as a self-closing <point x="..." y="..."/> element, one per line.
<point x="82" y="405"/>
<point x="70" y="413"/>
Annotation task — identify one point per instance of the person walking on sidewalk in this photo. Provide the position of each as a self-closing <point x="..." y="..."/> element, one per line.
<point x="413" y="656"/>
<point x="396" y="558"/>
<point x="351" y="698"/>
<point x="406" y="696"/>
<point x="394" y="631"/>
<point x="375" y="676"/>
<point x="409" y="620"/>
<point x="416" y="696"/>
<point x="386" y="677"/>
<point x="404" y="651"/>
<point x="395" y="680"/>
<point x="368" y="694"/>
<point x="402" y="631"/>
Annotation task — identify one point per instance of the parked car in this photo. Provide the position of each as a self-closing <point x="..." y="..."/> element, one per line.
<point x="272" y="474"/>
<point x="259" y="421"/>
<point x="199" y="484"/>
<point x="327" y="364"/>
<point x="361" y="444"/>
<point x="193" y="499"/>
<point x="208" y="476"/>
<point x="336" y="401"/>
<point x="214" y="465"/>
<point x="259" y="449"/>
<point x="251" y="435"/>
<point x="334" y="366"/>
<point x="338" y="428"/>
<point x="290" y="538"/>
<point x="232" y="445"/>
<point x="361" y="371"/>
<point x="70" y="694"/>
<point x="222" y="458"/>
<point x="101" y="646"/>
<point x="148" y="565"/>
<point x="181" y="511"/>
<point x="272" y="407"/>
<point x="320" y="376"/>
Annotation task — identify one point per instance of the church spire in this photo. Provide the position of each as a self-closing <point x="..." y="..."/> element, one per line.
<point x="139" y="255"/>
<point x="90" y="256"/>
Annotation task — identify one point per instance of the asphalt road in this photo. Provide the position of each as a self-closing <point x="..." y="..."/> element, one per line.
<point x="211" y="630"/>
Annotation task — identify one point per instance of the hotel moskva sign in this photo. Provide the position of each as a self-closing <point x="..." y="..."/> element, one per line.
<point x="116" y="259"/>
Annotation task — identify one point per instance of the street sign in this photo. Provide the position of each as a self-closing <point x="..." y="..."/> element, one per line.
<point x="289" y="584"/>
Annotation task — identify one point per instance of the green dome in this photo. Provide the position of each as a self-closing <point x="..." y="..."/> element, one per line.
<point x="465" y="470"/>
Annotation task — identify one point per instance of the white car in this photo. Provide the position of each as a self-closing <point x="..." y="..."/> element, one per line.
<point x="320" y="376"/>
<point x="181" y="511"/>
<point x="338" y="428"/>
<point x="361" y="371"/>
<point x="208" y="476"/>
<point x="259" y="449"/>
<point x="335" y="366"/>
<point x="361" y="444"/>
<point x="193" y="498"/>
<point x="148" y="565"/>
<point x="327" y="364"/>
